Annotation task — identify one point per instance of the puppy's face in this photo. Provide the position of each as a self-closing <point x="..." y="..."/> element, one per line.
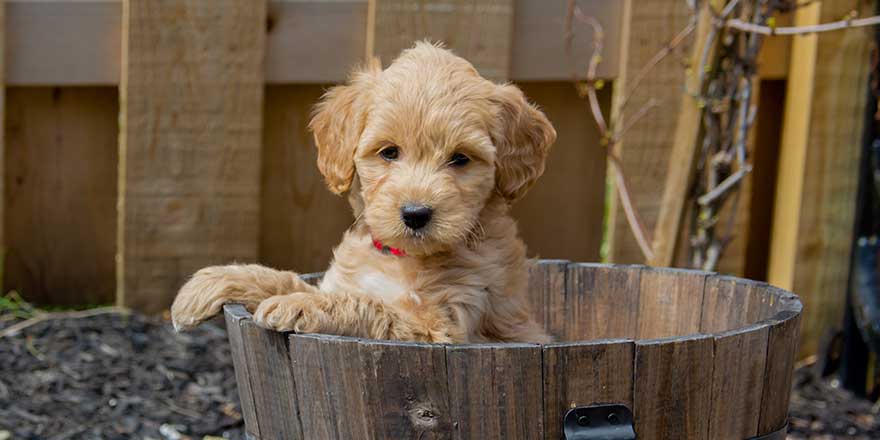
<point x="430" y="142"/>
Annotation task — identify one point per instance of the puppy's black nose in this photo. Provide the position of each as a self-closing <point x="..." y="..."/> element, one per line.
<point x="415" y="216"/>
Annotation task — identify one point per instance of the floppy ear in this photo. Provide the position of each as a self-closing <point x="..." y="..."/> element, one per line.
<point x="337" y="123"/>
<point x="522" y="137"/>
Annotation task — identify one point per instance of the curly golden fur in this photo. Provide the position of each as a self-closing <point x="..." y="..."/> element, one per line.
<point x="463" y="277"/>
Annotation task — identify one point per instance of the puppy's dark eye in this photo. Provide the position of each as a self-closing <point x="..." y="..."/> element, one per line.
<point x="390" y="154"/>
<point x="458" y="160"/>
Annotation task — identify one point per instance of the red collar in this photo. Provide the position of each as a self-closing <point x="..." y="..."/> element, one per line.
<point x="388" y="249"/>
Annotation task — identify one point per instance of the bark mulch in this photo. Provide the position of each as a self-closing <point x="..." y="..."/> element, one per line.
<point x="120" y="376"/>
<point x="117" y="376"/>
<point x="820" y="410"/>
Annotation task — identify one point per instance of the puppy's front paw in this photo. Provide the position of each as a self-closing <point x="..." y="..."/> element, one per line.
<point x="199" y="299"/>
<point x="299" y="312"/>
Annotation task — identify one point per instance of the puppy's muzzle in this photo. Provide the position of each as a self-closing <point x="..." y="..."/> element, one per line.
<point x="416" y="216"/>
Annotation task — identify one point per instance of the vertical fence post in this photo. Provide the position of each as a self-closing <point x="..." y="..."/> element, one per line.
<point x="817" y="179"/>
<point x="191" y="94"/>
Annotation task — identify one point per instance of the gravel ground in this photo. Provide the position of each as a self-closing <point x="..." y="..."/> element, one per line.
<point x="821" y="411"/>
<point x="121" y="376"/>
<point x="116" y="376"/>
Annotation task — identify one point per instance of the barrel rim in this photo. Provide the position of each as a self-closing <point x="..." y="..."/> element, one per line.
<point x="789" y="307"/>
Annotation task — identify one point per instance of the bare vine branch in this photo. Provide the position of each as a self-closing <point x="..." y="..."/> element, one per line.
<point x="847" y="23"/>
<point x="609" y="133"/>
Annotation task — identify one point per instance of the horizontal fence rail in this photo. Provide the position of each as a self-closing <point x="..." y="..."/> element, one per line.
<point x="62" y="42"/>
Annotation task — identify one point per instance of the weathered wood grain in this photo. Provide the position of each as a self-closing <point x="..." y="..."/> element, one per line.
<point x="816" y="185"/>
<point x="234" y="315"/>
<point x="781" y="356"/>
<point x="191" y="113"/>
<point x="318" y="416"/>
<point x="481" y="32"/>
<point x="406" y="390"/>
<point x="738" y="382"/>
<point x="762" y="303"/>
<point x="547" y="294"/>
<point x="494" y="391"/>
<point x="728" y="385"/>
<point x="726" y="303"/>
<point x="272" y="383"/>
<point x="670" y="302"/>
<point x="672" y="389"/>
<point x="329" y="380"/>
<point x="301" y="221"/>
<point x="793" y="150"/>
<point x="60" y="194"/>
<point x="569" y="226"/>
<point x="585" y="373"/>
<point x="601" y="301"/>
<point x="539" y="55"/>
<point x="309" y="41"/>
<point x="645" y="150"/>
<point x="683" y="155"/>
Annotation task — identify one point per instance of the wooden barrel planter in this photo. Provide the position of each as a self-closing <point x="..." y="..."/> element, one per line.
<point x="644" y="352"/>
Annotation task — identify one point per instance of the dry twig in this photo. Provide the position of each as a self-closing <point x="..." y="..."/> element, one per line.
<point x="16" y="328"/>
<point x="850" y="22"/>
<point x="610" y="136"/>
<point x="724" y="92"/>
<point x="608" y="129"/>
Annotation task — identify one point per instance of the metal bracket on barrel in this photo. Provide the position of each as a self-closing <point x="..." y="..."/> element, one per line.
<point x="615" y="422"/>
<point x="775" y="435"/>
<point x="598" y="422"/>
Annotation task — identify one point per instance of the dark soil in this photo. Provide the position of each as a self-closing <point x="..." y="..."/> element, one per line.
<point x="118" y="376"/>
<point x="821" y="410"/>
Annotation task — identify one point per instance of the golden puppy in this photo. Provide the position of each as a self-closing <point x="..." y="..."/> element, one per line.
<point x="432" y="156"/>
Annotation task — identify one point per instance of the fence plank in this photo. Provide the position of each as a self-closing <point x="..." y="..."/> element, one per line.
<point x="272" y="383"/>
<point x="816" y="186"/>
<point x="300" y="220"/>
<point x="685" y="150"/>
<point x="493" y="389"/>
<point x="61" y="173"/>
<point x="235" y="314"/>
<point x="738" y="383"/>
<point x="568" y="226"/>
<point x="580" y="374"/>
<point x="191" y="114"/>
<point x="645" y="150"/>
<point x="478" y="31"/>
<point x="309" y="41"/>
<point x="672" y="388"/>
<point x="670" y="302"/>
<point x="602" y="301"/>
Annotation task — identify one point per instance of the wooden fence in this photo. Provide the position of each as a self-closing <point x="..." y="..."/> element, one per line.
<point x="145" y="139"/>
<point x="209" y="101"/>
